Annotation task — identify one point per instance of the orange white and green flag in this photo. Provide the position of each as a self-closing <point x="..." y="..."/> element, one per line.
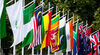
<point x="54" y="33"/>
<point x="69" y="35"/>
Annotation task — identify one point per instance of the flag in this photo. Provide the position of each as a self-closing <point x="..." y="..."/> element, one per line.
<point x="37" y="31"/>
<point x="75" y="38"/>
<point x="54" y="33"/>
<point x="28" y="15"/>
<point x="85" y="35"/>
<point x="69" y="35"/>
<point x="3" y="19"/>
<point x="1" y="6"/>
<point x="16" y="22"/>
<point x="89" y="52"/>
<point x="80" y="40"/>
<point x="62" y="39"/>
<point x="20" y="30"/>
<point x="46" y="22"/>
<point x="98" y="43"/>
<point x="95" y="42"/>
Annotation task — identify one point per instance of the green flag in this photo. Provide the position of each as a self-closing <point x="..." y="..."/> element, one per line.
<point x="75" y="38"/>
<point x="62" y="35"/>
<point x="3" y="20"/>
<point x="28" y="13"/>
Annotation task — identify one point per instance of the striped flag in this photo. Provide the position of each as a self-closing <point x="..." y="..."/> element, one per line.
<point x="69" y="35"/>
<point x="46" y="22"/>
<point x="37" y="31"/>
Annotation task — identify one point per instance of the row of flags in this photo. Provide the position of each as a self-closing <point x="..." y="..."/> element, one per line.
<point x="32" y="28"/>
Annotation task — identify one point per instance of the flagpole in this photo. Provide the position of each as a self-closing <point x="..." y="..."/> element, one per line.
<point x="67" y="19"/>
<point x="73" y="25"/>
<point x="23" y="4"/>
<point x="32" y="46"/>
<point x="49" y="46"/>
<point x="56" y="15"/>
<point x="42" y="12"/>
<point x="14" y="52"/>
<point x="32" y="50"/>
<point x="14" y="48"/>
<point x="63" y="16"/>
<point x="9" y="2"/>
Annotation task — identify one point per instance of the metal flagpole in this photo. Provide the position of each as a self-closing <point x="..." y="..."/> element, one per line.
<point x="32" y="50"/>
<point x="73" y="25"/>
<point x="42" y="12"/>
<point x="63" y="16"/>
<point x="32" y="46"/>
<point x="9" y="2"/>
<point x="23" y="3"/>
<point x="49" y="46"/>
<point x="14" y="48"/>
<point x="67" y="19"/>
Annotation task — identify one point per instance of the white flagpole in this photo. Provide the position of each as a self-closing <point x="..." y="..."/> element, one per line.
<point x="49" y="46"/>
<point x="73" y="25"/>
<point x="32" y="50"/>
<point x="14" y="48"/>
<point x="67" y="19"/>
<point x="14" y="51"/>
<point x="42" y="12"/>
<point x="23" y="9"/>
<point x="9" y="2"/>
<point x="63" y="15"/>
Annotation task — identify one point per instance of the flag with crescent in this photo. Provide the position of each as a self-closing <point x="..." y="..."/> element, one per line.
<point x="37" y="32"/>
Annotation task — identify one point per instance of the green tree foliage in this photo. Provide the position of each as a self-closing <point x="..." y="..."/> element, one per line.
<point x="96" y="23"/>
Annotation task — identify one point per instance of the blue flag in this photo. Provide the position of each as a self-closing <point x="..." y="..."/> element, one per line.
<point x="80" y="40"/>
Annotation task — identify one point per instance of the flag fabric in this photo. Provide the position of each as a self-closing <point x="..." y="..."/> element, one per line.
<point x="62" y="39"/>
<point x="37" y="31"/>
<point x="98" y="43"/>
<point x="46" y="23"/>
<point x="54" y="33"/>
<point x="20" y="30"/>
<point x="85" y="35"/>
<point x="28" y="15"/>
<point x="95" y="42"/>
<point x="1" y="6"/>
<point x="3" y="19"/>
<point x="69" y="35"/>
<point x="75" y="38"/>
<point x="80" y="39"/>
<point x="89" y="52"/>
<point x="16" y="20"/>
